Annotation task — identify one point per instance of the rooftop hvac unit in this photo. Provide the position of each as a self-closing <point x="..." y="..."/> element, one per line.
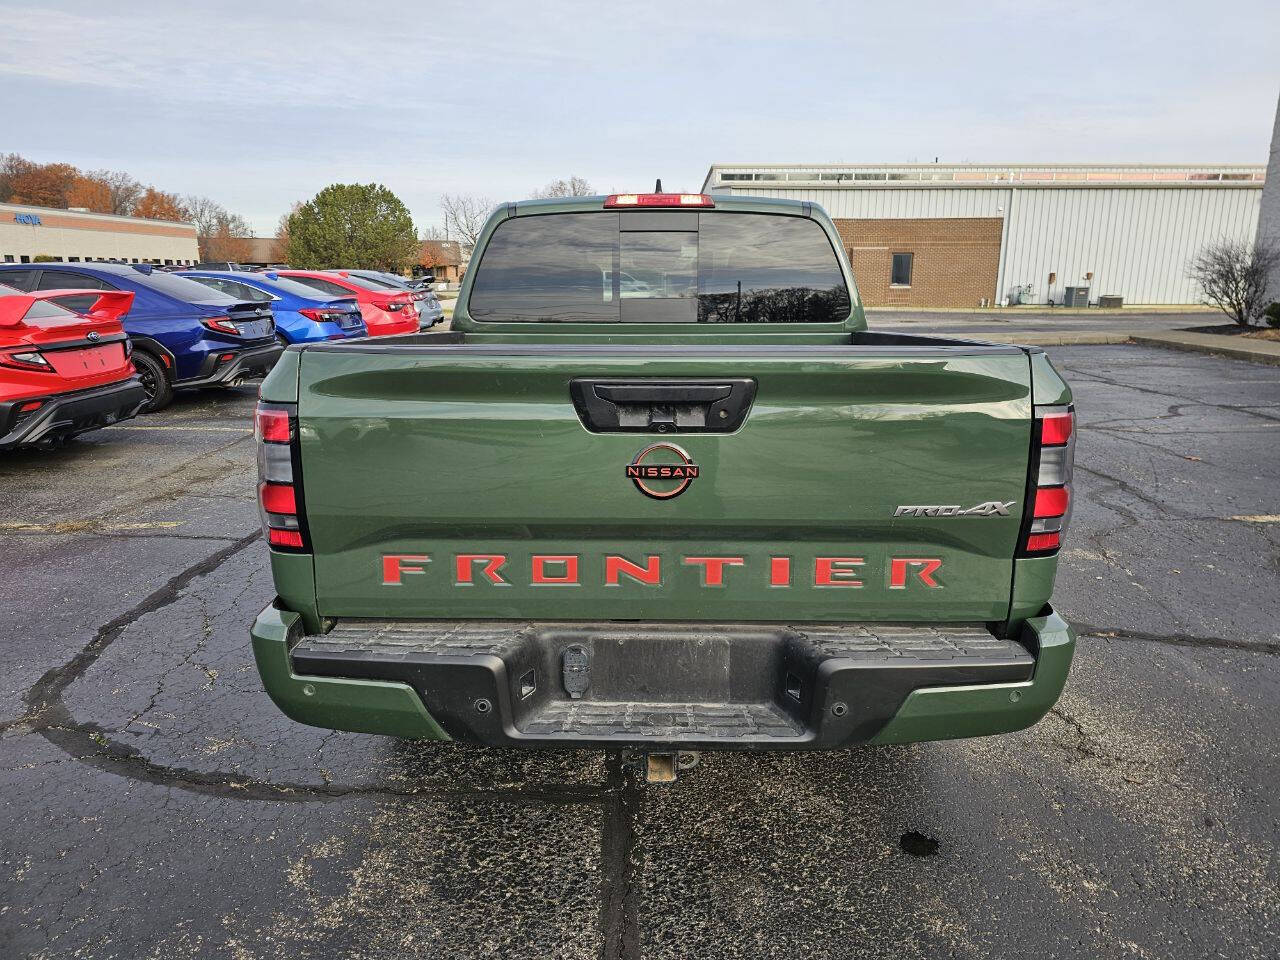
<point x="1075" y="297"/>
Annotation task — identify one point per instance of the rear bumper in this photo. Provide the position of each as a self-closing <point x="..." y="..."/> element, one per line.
<point x="247" y="362"/>
<point x="65" y="415"/>
<point x="394" y="327"/>
<point x="662" y="686"/>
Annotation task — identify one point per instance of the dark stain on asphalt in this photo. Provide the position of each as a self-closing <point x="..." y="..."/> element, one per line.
<point x="918" y="845"/>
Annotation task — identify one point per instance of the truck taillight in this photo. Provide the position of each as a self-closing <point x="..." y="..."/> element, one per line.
<point x="1049" y="495"/>
<point x="279" y="476"/>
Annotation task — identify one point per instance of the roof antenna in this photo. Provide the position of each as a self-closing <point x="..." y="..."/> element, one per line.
<point x="657" y="187"/>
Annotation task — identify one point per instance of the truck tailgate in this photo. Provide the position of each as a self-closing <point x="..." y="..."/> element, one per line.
<point x="460" y="481"/>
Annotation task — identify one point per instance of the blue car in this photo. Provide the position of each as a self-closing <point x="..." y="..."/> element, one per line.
<point x="303" y="314"/>
<point x="183" y="333"/>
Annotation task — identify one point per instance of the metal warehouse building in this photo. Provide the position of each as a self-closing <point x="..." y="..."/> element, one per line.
<point x="75" y="235"/>
<point x="968" y="235"/>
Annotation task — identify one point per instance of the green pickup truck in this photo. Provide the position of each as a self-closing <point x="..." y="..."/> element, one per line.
<point x="660" y="488"/>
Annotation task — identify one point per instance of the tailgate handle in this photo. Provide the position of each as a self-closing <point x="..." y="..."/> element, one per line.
<point x="662" y="406"/>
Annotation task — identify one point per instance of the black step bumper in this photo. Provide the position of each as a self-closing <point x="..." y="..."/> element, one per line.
<point x="662" y="685"/>
<point x="67" y="414"/>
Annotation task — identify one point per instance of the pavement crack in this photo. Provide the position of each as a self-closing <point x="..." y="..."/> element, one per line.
<point x="1087" y="375"/>
<point x="1268" y="647"/>
<point x="619" y="855"/>
<point x="44" y="699"/>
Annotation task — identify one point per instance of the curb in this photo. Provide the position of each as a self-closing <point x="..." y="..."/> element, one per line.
<point x="1261" y="351"/>
<point x="1070" y="339"/>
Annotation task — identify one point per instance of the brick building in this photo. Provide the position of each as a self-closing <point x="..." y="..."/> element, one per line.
<point x="968" y="235"/>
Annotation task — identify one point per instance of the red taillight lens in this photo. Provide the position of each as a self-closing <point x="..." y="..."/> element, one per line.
<point x="25" y="360"/>
<point x="278" y="498"/>
<point x="221" y="324"/>
<point x="1052" y="502"/>
<point x="272" y="425"/>
<point x="285" y="538"/>
<point x="1049" y="510"/>
<point x="658" y="200"/>
<point x="1044" y="541"/>
<point x="322" y="315"/>
<point x="1056" y="429"/>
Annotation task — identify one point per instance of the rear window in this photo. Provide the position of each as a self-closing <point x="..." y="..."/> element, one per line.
<point x="324" y="286"/>
<point x="710" y="267"/>
<point x="181" y="288"/>
<point x="378" y="283"/>
<point x="364" y="283"/>
<point x="295" y="288"/>
<point x="43" y="313"/>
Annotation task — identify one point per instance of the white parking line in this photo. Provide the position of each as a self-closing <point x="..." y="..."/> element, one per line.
<point x="245" y="430"/>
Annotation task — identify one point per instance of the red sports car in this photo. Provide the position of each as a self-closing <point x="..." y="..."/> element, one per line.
<point x="386" y="313"/>
<point x="61" y="372"/>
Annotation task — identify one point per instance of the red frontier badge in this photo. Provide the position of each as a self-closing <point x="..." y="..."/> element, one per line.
<point x="660" y="465"/>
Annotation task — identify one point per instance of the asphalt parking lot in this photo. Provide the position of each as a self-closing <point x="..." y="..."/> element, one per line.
<point x="154" y="803"/>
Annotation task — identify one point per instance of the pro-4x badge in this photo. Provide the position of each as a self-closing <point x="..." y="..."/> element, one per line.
<point x="992" y="508"/>
<point x="662" y="471"/>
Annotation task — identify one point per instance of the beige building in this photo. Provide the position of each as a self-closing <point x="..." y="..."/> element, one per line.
<point x="30" y="232"/>
<point x="974" y="234"/>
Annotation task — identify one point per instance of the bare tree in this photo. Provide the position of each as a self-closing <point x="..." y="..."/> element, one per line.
<point x="123" y="189"/>
<point x="573" y="187"/>
<point x="1233" y="275"/>
<point x="219" y="232"/>
<point x="464" y="217"/>
<point x="434" y="232"/>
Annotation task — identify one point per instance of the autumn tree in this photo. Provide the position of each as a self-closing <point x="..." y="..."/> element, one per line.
<point x="157" y="205"/>
<point x="225" y="245"/>
<point x="12" y="166"/>
<point x="91" y="193"/>
<point x="280" y="249"/>
<point x="44" y="184"/>
<point x="572" y="187"/>
<point x="352" y="225"/>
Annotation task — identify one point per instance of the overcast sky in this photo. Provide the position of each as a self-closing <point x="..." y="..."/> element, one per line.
<point x="260" y="104"/>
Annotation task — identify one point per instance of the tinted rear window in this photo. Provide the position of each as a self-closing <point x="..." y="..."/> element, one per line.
<point x="181" y="288"/>
<point x="299" y="289"/>
<point x="378" y="286"/>
<point x="723" y="268"/>
<point x="554" y="267"/>
<point x="324" y="286"/>
<point x="43" y="313"/>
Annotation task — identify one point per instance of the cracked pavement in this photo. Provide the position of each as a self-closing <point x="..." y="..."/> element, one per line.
<point x="154" y="803"/>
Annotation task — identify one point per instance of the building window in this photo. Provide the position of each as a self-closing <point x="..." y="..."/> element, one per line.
<point x="73" y="259"/>
<point x="24" y="259"/>
<point x="901" y="273"/>
<point x="8" y="258"/>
